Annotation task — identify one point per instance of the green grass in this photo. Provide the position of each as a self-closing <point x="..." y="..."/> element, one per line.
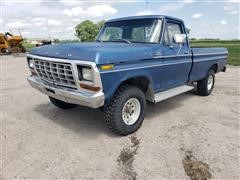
<point x="28" y="46"/>
<point x="232" y="46"/>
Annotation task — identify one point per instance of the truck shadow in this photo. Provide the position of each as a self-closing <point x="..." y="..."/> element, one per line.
<point x="81" y="120"/>
<point x="90" y="122"/>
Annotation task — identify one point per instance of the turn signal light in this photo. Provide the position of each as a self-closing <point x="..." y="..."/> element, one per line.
<point x="91" y="88"/>
<point x="107" y="67"/>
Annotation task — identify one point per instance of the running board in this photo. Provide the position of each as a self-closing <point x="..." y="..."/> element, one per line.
<point x="171" y="92"/>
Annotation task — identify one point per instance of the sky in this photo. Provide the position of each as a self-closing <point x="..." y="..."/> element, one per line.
<point x="57" y="18"/>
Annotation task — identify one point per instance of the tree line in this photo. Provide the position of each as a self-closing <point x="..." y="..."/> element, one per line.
<point x="85" y="31"/>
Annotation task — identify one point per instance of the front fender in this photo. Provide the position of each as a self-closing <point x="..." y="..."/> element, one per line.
<point x="111" y="80"/>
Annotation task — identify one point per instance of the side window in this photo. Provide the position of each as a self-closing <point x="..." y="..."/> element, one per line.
<point x="170" y="30"/>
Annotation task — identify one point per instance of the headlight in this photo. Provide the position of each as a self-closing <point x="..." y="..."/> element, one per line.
<point x="85" y="73"/>
<point x="30" y="63"/>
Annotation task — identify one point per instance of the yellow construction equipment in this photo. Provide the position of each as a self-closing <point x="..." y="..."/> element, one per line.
<point x="11" y="43"/>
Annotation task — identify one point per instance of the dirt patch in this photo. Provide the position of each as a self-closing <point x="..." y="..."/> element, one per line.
<point x="126" y="159"/>
<point x="135" y="141"/>
<point x="196" y="170"/>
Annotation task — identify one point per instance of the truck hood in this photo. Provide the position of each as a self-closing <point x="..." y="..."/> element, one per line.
<point x="100" y="53"/>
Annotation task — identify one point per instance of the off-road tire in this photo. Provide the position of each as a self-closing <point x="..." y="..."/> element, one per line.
<point x="61" y="104"/>
<point x="113" y="111"/>
<point x="202" y="85"/>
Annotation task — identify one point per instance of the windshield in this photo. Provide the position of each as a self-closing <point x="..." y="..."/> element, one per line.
<point x="138" y="30"/>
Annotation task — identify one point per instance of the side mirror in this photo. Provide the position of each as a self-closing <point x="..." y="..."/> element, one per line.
<point x="180" y="38"/>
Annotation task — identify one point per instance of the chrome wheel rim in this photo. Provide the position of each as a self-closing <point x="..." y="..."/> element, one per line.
<point x="131" y="111"/>
<point x="210" y="82"/>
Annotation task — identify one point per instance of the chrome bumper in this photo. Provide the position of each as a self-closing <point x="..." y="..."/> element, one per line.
<point x="93" y="100"/>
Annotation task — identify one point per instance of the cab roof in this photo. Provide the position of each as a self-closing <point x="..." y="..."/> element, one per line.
<point x="144" y="17"/>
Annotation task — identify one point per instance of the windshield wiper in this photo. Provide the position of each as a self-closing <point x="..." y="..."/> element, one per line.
<point x="123" y="40"/>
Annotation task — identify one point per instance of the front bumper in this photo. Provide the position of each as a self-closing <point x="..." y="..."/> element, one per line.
<point x="93" y="100"/>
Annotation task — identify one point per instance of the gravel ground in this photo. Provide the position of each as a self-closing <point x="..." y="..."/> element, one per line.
<point x="38" y="140"/>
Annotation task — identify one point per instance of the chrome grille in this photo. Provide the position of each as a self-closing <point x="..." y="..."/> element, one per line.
<point x="59" y="73"/>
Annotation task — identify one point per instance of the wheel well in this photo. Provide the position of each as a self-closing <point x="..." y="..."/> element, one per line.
<point x="214" y="67"/>
<point x="140" y="82"/>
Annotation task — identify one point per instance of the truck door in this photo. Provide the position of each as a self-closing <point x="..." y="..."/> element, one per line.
<point x="177" y="60"/>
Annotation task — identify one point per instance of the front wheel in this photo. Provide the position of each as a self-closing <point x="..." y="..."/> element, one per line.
<point x="206" y="85"/>
<point x="125" y="113"/>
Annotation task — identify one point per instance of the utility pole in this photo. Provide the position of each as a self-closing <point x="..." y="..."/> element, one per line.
<point x="146" y="2"/>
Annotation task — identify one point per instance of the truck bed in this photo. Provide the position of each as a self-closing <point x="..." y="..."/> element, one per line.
<point x="204" y="59"/>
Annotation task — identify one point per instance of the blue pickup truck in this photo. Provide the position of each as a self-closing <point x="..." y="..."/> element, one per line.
<point x="134" y="60"/>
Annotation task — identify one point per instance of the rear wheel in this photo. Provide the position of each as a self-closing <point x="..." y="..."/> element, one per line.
<point x="125" y="113"/>
<point x="8" y="51"/>
<point x="61" y="104"/>
<point x="206" y="85"/>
